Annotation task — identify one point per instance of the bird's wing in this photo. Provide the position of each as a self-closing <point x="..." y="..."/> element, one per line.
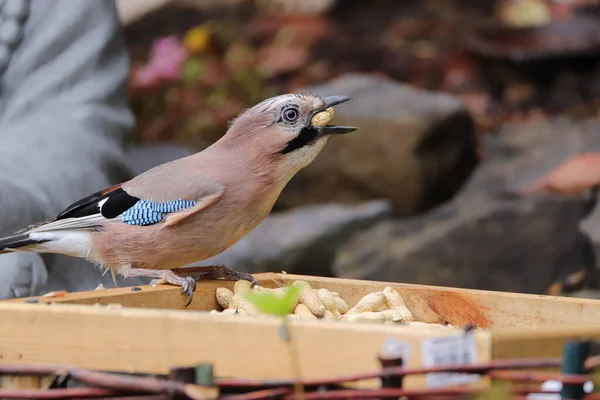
<point x="118" y="201"/>
<point x="177" y="217"/>
<point x="92" y="211"/>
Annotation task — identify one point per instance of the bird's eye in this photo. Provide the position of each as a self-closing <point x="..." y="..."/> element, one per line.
<point x="290" y="114"/>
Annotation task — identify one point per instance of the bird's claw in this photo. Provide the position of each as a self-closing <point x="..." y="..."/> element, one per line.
<point x="224" y="272"/>
<point x="181" y="277"/>
<point x="188" y="287"/>
<point x="187" y="283"/>
<point x="216" y="272"/>
<point x="247" y="277"/>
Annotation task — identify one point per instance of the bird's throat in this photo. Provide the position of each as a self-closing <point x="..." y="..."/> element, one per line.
<point x="307" y="136"/>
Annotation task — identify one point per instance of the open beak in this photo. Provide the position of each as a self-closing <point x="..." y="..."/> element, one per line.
<point x="331" y="101"/>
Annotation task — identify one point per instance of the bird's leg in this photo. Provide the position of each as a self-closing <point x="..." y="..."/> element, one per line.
<point x="216" y="272"/>
<point x="161" y="276"/>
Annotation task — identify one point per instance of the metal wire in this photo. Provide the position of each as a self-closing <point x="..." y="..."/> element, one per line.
<point x="119" y="386"/>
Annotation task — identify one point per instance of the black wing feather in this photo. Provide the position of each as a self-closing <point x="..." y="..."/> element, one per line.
<point x="16" y="241"/>
<point x="118" y="201"/>
<point x="73" y="209"/>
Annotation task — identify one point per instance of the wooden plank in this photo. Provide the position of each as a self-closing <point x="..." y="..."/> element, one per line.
<point x="138" y="340"/>
<point x="21" y="382"/>
<point x="538" y="341"/>
<point x="522" y="325"/>
<point x="486" y="309"/>
<point x="159" y="296"/>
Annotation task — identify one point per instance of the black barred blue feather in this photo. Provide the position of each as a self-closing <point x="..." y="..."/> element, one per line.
<point x="147" y="212"/>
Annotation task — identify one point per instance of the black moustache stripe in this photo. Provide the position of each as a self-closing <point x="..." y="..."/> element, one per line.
<point x="306" y="136"/>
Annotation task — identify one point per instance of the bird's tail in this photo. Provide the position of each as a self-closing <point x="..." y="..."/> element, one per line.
<point x="16" y="242"/>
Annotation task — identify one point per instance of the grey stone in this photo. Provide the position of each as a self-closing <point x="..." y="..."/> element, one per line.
<point x="586" y="294"/>
<point x="5" y="54"/>
<point x="414" y="148"/>
<point x="479" y="239"/>
<point x="523" y="152"/>
<point x="17" y="9"/>
<point x="66" y="273"/>
<point x="53" y="156"/>
<point x="302" y="240"/>
<point x="26" y="273"/>
<point x="590" y="226"/>
<point x="10" y="32"/>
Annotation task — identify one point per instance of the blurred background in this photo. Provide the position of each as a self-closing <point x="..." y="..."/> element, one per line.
<point x="462" y="107"/>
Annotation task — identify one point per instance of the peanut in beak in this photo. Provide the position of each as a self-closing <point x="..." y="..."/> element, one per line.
<point x="323" y="117"/>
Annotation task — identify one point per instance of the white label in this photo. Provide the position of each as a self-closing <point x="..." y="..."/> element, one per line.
<point x="550" y="386"/>
<point x="449" y="350"/>
<point x="393" y="348"/>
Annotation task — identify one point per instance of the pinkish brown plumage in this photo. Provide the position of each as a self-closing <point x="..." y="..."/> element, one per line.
<point x="192" y="208"/>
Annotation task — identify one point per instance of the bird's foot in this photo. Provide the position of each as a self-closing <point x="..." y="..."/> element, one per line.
<point x="162" y="276"/>
<point x="216" y="272"/>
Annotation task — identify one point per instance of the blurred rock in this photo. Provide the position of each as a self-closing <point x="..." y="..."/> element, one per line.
<point x="131" y="11"/>
<point x="294" y="6"/>
<point x="414" y="148"/>
<point x="591" y="225"/>
<point x="586" y="294"/>
<point x="480" y="240"/>
<point x="303" y="240"/>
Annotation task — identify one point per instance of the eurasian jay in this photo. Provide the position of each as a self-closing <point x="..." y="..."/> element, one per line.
<point x="193" y="208"/>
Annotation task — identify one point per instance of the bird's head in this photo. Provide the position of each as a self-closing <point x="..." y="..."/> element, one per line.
<point x="291" y="129"/>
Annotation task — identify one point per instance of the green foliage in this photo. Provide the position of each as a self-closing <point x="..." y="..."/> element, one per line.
<point x="192" y="70"/>
<point x="273" y="304"/>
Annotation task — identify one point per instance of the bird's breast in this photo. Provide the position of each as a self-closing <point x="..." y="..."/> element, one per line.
<point x="201" y="236"/>
<point x="224" y="224"/>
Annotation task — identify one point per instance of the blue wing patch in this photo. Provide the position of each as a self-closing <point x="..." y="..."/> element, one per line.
<point x="147" y="212"/>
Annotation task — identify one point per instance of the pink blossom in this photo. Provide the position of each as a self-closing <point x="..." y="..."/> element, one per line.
<point x="146" y="76"/>
<point x="165" y="60"/>
<point x="167" y="55"/>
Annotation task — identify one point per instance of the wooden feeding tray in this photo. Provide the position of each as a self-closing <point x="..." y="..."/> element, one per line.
<point x="147" y="330"/>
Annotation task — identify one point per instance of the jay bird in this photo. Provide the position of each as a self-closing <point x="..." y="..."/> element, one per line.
<point x="195" y="207"/>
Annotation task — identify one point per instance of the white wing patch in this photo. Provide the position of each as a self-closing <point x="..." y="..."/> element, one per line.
<point x="71" y="243"/>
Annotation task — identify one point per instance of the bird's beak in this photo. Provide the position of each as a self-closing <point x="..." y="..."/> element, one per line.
<point x="331" y="101"/>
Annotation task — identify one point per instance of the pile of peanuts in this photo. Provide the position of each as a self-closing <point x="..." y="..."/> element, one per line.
<point x="386" y="306"/>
